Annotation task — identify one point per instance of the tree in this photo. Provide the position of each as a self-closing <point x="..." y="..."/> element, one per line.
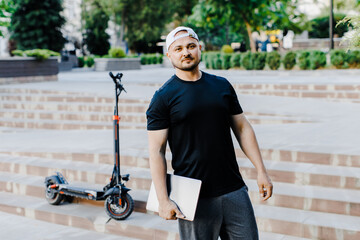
<point x="37" y="24"/>
<point x="320" y="26"/>
<point x="142" y="22"/>
<point x="215" y="24"/>
<point x="6" y="9"/>
<point x="96" y="22"/>
<point x="354" y="38"/>
<point x="145" y="21"/>
<point x="234" y="15"/>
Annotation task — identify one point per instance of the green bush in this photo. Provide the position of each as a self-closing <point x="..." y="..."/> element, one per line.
<point x="160" y="58"/>
<point x="117" y="52"/>
<point x="289" y="60"/>
<point x="259" y="60"/>
<point x="338" y="58"/>
<point x="81" y="62"/>
<point x="208" y="60"/>
<point x="235" y="60"/>
<point x="154" y="59"/>
<point x="225" y="60"/>
<point x="247" y="61"/>
<point x="143" y="59"/>
<point x="317" y="60"/>
<point x="304" y="60"/>
<point x="147" y="59"/>
<point x="217" y="63"/>
<point x="214" y="60"/>
<point x="18" y="52"/>
<point x="273" y="60"/>
<point x="353" y="59"/>
<point x="39" y="54"/>
<point x="90" y="61"/>
<point x="227" y="49"/>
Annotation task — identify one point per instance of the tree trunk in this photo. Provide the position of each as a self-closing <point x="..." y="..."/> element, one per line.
<point x="248" y="29"/>
<point x="252" y="43"/>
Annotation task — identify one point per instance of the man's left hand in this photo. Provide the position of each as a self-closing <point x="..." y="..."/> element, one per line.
<point x="265" y="185"/>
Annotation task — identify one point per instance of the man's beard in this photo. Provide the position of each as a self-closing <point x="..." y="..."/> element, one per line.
<point x="187" y="68"/>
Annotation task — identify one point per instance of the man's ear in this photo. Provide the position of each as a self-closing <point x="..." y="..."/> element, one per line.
<point x="200" y="46"/>
<point x="168" y="55"/>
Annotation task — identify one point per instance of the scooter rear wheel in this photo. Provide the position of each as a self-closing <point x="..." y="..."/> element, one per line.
<point x="115" y="211"/>
<point x="53" y="197"/>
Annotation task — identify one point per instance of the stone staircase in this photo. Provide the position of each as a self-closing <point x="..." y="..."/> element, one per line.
<point x="317" y="195"/>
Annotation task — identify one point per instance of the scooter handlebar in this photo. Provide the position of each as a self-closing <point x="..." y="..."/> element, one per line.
<point x="117" y="78"/>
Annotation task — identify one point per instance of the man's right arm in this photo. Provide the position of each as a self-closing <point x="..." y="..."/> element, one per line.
<point x="157" y="148"/>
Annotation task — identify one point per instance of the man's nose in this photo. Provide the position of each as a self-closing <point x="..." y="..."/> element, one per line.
<point x="185" y="51"/>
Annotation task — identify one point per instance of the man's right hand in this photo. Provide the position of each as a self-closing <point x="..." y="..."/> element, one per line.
<point x="169" y="211"/>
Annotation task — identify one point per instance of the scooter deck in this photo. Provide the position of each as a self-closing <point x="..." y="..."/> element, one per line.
<point x="76" y="191"/>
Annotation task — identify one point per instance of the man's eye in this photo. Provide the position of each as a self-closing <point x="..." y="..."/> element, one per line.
<point x="192" y="46"/>
<point x="177" y="49"/>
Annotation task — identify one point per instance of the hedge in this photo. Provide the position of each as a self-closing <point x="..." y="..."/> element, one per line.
<point x="89" y="61"/>
<point x="338" y="58"/>
<point x="289" y="60"/>
<point x="353" y="59"/>
<point x="235" y="60"/>
<point x="147" y="59"/>
<point x="304" y="60"/>
<point x="81" y="62"/>
<point x="259" y="60"/>
<point x="117" y="52"/>
<point x="225" y="60"/>
<point x="273" y="60"/>
<point x="317" y="60"/>
<point x="247" y="61"/>
<point x="39" y="54"/>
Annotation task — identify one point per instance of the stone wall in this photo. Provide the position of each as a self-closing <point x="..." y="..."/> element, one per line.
<point x="27" y="69"/>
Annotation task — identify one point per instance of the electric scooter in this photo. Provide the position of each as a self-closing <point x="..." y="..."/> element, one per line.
<point x="118" y="203"/>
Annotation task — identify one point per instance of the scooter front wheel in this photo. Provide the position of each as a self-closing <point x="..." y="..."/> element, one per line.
<point x="51" y="195"/>
<point x="115" y="210"/>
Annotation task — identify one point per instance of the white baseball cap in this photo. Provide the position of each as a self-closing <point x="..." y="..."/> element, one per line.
<point x="171" y="36"/>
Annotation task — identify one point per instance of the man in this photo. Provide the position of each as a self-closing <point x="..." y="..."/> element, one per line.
<point x="195" y="111"/>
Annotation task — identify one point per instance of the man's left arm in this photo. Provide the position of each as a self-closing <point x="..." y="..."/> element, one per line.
<point x="245" y="135"/>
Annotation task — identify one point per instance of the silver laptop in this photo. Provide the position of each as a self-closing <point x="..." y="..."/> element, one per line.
<point x="183" y="191"/>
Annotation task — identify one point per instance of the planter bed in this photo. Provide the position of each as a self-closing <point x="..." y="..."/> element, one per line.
<point x="114" y="64"/>
<point x="27" y="69"/>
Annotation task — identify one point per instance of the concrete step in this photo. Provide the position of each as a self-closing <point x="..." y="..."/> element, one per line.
<point x="66" y="125"/>
<point x="32" y="229"/>
<point x="345" y="95"/>
<point x="68" y="217"/>
<point x="291" y="195"/>
<point x="138" y="225"/>
<point x="306" y="174"/>
<point x="286" y="172"/>
<point x="66" y="97"/>
<point x="304" y="87"/>
<point x="140" y="178"/>
<point x="73" y="107"/>
<point x="298" y="223"/>
<point x="285" y="86"/>
<point x="27" y="185"/>
<point x="308" y="224"/>
<point x="136" y="160"/>
<point x="310" y="198"/>
<point x="131" y="117"/>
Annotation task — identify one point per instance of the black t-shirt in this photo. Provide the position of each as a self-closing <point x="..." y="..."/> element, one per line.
<point x="198" y="116"/>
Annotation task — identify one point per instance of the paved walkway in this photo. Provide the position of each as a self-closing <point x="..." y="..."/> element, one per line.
<point x="335" y="126"/>
<point x="324" y="126"/>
